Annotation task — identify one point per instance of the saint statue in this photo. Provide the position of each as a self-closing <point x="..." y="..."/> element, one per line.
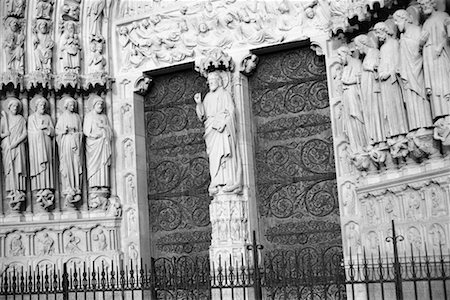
<point x="44" y="9"/>
<point x="394" y="114"/>
<point x="98" y="134"/>
<point x="40" y="134"/>
<point x="370" y="89"/>
<point x="13" y="136"/>
<point x="217" y="111"/>
<point x="436" y="58"/>
<point x="96" y="11"/>
<point x="69" y="136"/>
<point x="43" y="45"/>
<point x="70" y="48"/>
<point x="13" y="45"/>
<point x="411" y="71"/>
<point x="97" y="61"/>
<point x="354" y="126"/>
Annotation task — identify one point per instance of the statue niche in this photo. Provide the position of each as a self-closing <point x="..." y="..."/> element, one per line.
<point x="217" y="112"/>
<point x="98" y="134"/>
<point x="69" y="138"/>
<point x="13" y="136"/>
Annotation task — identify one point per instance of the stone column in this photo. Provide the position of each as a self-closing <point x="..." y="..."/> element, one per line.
<point x="227" y="132"/>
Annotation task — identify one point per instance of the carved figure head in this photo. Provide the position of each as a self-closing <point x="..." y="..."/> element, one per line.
<point x="12" y="23"/>
<point x="214" y="81"/>
<point x="283" y="8"/>
<point x="14" y="106"/>
<point x="70" y="27"/>
<point x="155" y="19"/>
<point x="427" y="6"/>
<point x="203" y="27"/>
<point x="41" y="105"/>
<point x="123" y="30"/>
<point x="182" y="25"/>
<point x="70" y="104"/>
<point x="98" y="104"/>
<point x="401" y="17"/>
<point x="343" y="52"/>
<point x="309" y="12"/>
<point x="361" y="43"/>
<point x="42" y="26"/>
<point x="382" y="31"/>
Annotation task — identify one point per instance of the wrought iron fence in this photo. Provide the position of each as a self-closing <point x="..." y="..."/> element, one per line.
<point x="285" y="275"/>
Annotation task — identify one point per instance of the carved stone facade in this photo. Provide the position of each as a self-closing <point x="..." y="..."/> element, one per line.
<point x="49" y="99"/>
<point x="128" y="163"/>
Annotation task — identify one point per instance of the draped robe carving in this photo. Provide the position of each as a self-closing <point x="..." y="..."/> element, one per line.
<point x="436" y="60"/>
<point x="218" y="113"/>
<point x="69" y="137"/>
<point x="14" y="158"/>
<point x="40" y="133"/>
<point x="98" y="134"/>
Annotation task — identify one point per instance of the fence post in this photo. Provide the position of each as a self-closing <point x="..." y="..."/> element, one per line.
<point x="153" y="292"/>
<point x="65" y="282"/>
<point x="397" y="269"/>
<point x="256" y="272"/>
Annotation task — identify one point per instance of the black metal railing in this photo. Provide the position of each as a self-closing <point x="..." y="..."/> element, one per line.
<point x="280" y="275"/>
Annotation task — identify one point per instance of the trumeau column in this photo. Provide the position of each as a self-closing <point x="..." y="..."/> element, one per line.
<point x="220" y="111"/>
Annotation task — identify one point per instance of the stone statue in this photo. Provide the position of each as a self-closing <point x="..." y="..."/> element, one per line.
<point x="394" y="115"/>
<point x="96" y="11"/>
<point x="436" y="58"/>
<point x="14" y="44"/>
<point x="70" y="48"/>
<point x="217" y="111"/>
<point x="411" y="72"/>
<point x="100" y="239"/>
<point x="370" y="89"/>
<point x="72" y="243"/>
<point x="47" y="245"/>
<point x="44" y="9"/>
<point x="352" y="111"/>
<point x="15" y="8"/>
<point x="43" y="45"/>
<point x="97" y="61"/>
<point x="16" y="247"/>
<point x="13" y="136"/>
<point x="69" y="138"/>
<point x="98" y="134"/>
<point x="40" y="134"/>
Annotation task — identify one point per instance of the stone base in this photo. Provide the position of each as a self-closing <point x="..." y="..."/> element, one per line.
<point x="230" y="232"/>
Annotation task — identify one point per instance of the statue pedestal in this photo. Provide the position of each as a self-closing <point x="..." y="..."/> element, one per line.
<point x="230" y="237"/>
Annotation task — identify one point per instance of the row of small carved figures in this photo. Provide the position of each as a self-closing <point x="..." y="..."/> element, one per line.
<point x="398" y="87"/>
<point x="47" y="245"/>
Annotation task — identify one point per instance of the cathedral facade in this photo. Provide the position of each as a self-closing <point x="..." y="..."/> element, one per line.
<point x="138" y="129"/>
